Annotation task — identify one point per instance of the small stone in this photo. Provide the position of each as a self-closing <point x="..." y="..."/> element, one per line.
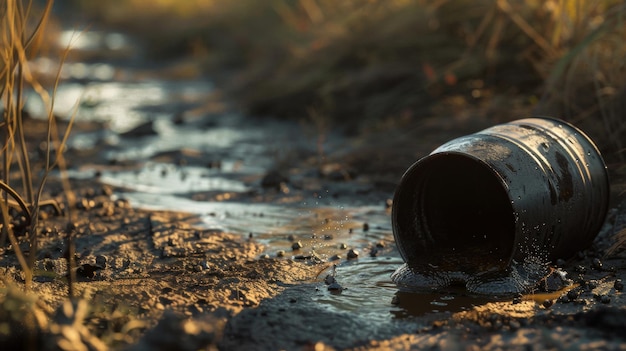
<point x="547" y="303"/>
<point x="291" y="238"/>
<point x="335" y="257"/>
<point x="618" y="285"/>
<point x="366" y="227"/>
<point x="328" y="237"/>
<point x="388" y="203"/>
<point x="273" y="180"/>
<point x="197" y="268"/>
<point x="596" y="264"/>
<point x="335" y="287"/>
<point x="605" y="299"/>
<point x="516" y="300"/>
<point x="350" y="230"/>
<point x="329" y="279"/>
<point x="265" y="256"/>
<point x="353" y="254"/>
<point x="373" y="252"/>
<point x="343" y="246"/>
<point x="380" y="244"/>
<point x="572" y="295"/>
<point x="296" y="246"/>
<point x="280" y="253"/>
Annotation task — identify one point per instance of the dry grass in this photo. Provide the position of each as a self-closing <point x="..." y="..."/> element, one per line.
<point x="361" y="61"/>
<point x="21" y="30"/>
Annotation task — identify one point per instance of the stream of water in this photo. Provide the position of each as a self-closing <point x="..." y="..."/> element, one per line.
<point x="222" y="156"/>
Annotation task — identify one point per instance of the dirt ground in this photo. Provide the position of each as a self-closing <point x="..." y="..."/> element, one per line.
<point x="150" y="280"/>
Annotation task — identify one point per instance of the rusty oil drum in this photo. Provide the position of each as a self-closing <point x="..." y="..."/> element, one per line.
<point x="535" y="186"/>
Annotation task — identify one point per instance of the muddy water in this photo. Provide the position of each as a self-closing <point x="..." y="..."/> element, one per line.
<point x="210" y="164"/>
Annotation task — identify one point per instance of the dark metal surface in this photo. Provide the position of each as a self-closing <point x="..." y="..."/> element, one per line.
<point x="532" y="187"/>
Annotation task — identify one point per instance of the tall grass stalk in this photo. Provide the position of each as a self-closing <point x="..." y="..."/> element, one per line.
<point x="19" y="43"/>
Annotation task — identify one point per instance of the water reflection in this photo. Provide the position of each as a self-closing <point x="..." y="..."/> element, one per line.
<point x="93" y="40"/>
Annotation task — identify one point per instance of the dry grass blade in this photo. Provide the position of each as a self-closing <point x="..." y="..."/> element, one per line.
<point x="15" y="48"/>
<point x="8" y="232"/>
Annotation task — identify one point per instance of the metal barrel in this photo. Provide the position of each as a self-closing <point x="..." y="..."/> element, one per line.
<point x="534" y="186"/>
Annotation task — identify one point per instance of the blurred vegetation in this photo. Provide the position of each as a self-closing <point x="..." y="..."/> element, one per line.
<point x="355" y="63"/>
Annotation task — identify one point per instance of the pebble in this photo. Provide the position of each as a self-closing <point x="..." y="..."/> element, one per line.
<point x="596" y="264"/>
<point x="572" y="295"/>
<point x="280" y="253"/>
<point x="296" y="246"/>
<point x="329" y="279"/>
<point x="547" y="303"/>
<point x="335" y="287"/>
<point x="380" y="244"/>
<point x="335" y="257"/>
<point x="618" y="285"/>
<point x="605" y="299"/>
<point x="343" y="246"/>
<point x="265" y="256"/>
<point x="353" y="254"/>
<point x="366" y="227"/>
<point x="374" y="252"/>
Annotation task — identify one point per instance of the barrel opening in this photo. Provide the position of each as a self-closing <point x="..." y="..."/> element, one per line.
<point x="452" y="211"/>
